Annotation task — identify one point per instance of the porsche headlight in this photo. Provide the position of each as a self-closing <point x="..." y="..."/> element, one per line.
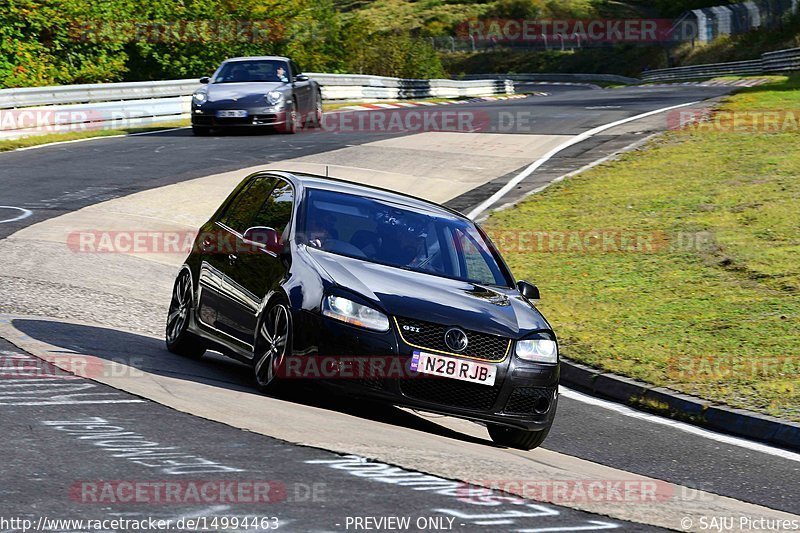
<point x="274" y="97"/>
<point x="199" y="97"/>
<point x="540" y="350"/>
<point x="354" y="313"/>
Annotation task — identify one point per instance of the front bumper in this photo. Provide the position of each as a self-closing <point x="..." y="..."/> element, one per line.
<point x="524" y="395"/>
<point x="206" y="116"/>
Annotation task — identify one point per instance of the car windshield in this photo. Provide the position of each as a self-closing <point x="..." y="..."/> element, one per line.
<point x="267" y="70"/>
<point x="389" y="234"/>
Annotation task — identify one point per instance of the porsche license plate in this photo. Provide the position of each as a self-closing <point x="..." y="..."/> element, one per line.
<point x="450" y="367"/>
<point x="232" y="113"/>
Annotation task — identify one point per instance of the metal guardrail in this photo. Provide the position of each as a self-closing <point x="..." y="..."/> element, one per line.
<point x="559" y="78"/>
<point x="364" y="87"/>
<point x="100" y="92"/>
<point x="781" y="61"/>
<point x="39" y="110"/>
<point x="738" y="68"/>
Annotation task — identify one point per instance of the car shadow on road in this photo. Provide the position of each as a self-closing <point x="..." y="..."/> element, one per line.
<point x="150" y="355"/>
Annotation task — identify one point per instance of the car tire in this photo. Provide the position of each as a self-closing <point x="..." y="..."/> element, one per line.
<point x="272" y="344"/>
<point x="178" y="337"/>
<point x="292" y="119"/>
<point x="517" y="438"/>
<point x="201" y="131"/>
<point x="318" y="112"/>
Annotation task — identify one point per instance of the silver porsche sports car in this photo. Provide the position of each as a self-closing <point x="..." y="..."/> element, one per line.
<point x="268" y="91"/>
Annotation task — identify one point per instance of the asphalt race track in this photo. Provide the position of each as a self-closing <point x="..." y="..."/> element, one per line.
<point x="320" y="462"/>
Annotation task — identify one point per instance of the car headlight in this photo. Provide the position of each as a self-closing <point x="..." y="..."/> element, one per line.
<point x="541" y="350"/>
<point x="354" y="313"/>
<point x="274" y="97"/>
<point x="199" y="97"/>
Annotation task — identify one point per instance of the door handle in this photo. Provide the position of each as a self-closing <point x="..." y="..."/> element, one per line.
<point x="232" y="258"/>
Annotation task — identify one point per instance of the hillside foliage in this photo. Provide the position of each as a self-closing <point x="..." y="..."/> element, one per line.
<point x="46" y="42"/>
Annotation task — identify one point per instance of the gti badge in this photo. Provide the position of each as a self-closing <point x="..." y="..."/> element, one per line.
<point x="456" y="339"/>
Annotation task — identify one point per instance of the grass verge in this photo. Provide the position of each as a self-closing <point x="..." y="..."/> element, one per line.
<point x="707" y="303"/>
<point x="37" y="140"/>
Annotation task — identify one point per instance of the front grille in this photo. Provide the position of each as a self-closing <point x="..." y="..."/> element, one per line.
<point x="431" y="336"/>
<point x="450" y="392"/>
<point x="370" y="383"/>
<point x="528" y="401"/>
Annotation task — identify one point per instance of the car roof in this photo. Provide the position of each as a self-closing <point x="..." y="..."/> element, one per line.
<point x="255" y="58"/>
<point x="313" y="181"/>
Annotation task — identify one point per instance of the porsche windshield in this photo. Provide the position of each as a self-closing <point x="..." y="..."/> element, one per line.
<point x="394" y="235"/>
<point x="266" y="70"/>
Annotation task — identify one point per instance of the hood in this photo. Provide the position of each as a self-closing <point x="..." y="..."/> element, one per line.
<point x="241" y="93"/>
<point x="495" y="310"/>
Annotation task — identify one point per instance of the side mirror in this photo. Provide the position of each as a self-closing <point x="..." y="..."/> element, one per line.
<point x="301" y="77"/>
<point x="205" y="79"/>
<point x="528" y="290"/>
<point x="263" y="238"/>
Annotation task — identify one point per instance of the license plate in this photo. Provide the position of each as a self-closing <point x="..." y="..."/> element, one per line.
<point x="232" y="113"/>
<point x="450" y="367"/>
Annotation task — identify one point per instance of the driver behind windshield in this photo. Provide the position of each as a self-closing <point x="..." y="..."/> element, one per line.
<point x="400" y="244"/>
<point x="253" y="71"/>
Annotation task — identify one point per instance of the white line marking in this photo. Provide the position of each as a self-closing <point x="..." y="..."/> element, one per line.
<point x="78" y="402"/>
<point x="65" y="142"/>
<point x="549" y="155"/>
<point x="96" y="138"/>
<point x="202" y="512"/>
<point x="25" y="213"/>
<point x="596" y="525"/>
<point x="680" y="426"/>
<point x="158" y="131"/>
<point x="633" y="146"/>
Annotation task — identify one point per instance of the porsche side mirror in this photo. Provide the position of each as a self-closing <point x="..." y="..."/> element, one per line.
<point x="205" y="79"/>
<point x="528" y="290"/>
<point x="301" y="77"/>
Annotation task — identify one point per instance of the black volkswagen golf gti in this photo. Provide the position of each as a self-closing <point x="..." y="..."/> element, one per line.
<point x="295" y="269"/>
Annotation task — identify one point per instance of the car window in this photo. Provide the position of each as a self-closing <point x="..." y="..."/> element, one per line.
<point x="243" y="208"/>
<point x="295" y="69"/>
<point x="386" y="233"/>
<point x="276" y="211"/>
<point x="476" y="260"/>
<point x="265" y="70"/>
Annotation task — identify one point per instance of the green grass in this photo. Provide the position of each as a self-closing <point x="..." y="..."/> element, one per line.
<point x="37" y="140"/>
<point x="719" y="319"/>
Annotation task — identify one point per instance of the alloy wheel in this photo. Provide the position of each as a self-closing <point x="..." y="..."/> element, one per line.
<point x="273" y="337"/>
<point x="178" y="317"/>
